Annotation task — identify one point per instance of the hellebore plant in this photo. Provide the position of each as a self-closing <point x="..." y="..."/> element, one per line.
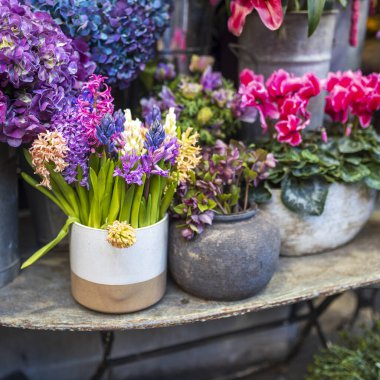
<point x="203" y="100"/>
<point x="121" y="34"/>
<point x="39" y="71"/>
<point x="345" y="150"/>
<point x="106" y="170"/>
<point x="220" y="184"/>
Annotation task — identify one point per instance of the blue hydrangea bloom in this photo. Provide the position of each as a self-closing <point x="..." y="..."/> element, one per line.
<point x="122" y="34"/>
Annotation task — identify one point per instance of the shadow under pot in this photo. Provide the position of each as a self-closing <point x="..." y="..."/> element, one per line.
<point x="347" y="210"/>
<point x="233" y="259"/>
<point x="118" y="280"/>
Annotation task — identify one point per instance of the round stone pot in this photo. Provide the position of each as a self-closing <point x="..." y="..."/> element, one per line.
<point x="118" y="280"/>
<point x="233" y="259"/>
<point x="347" y="209"/>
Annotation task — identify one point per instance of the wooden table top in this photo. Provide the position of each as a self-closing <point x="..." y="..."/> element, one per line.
<point x="40" y="297"/>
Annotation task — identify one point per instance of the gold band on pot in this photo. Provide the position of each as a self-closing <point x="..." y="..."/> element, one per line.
<point x="118" y="298"/>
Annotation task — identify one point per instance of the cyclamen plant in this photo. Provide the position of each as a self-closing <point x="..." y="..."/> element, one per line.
<point x="203" y="100"/>
<point x="220" y="184"/>
<point x="121" y="34"/>
<point x="281" y="102"/>
<point x="346" y="150"/>
<point x="106" y="170"/>
<point x="39" y="72"/>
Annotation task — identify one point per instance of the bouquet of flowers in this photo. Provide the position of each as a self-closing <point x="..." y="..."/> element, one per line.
<point x="106" y="170"/>
<point x="39" y="72"/>
<point x="220" y="184"/>
<point x="203" y="100"/>
<point x="121" y="34"/>
<point x="346" y="150"/>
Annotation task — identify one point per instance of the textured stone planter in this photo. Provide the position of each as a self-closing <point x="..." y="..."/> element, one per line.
<point x="9" y="254"/>
<point x="114" y="280"/>
<point x="233" y="259"/>
<point x="347" y="209"/>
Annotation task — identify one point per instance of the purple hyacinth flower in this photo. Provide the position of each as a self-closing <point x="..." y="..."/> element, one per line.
<point x="131" y="170"/>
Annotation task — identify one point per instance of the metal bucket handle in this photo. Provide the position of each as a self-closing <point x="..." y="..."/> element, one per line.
<point x="235" y="48"/>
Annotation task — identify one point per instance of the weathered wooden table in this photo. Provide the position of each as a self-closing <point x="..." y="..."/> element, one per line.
<point x="40" y="297"/>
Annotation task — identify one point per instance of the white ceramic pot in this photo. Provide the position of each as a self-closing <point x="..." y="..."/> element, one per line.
<point x="114" y="280"/>
<point x="347" y="209"/>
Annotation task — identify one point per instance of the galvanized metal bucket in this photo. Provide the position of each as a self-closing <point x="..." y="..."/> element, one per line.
<point x="345" y="56"/>
<point x="9" y="253"/>
<point x="290" y="49"/>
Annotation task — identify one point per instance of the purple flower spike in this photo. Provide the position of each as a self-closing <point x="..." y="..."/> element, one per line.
<point x="131" y="170"/>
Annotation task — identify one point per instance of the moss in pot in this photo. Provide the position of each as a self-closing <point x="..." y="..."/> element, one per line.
<point x="222" y="247"/>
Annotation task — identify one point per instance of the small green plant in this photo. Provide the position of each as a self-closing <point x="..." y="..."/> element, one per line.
<point x="354" y="358"/>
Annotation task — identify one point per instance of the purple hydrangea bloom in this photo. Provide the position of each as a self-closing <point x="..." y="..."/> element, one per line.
<point x="39" y="68"/>
<point x="122" y="34"/>
<point x="211" y="80"/>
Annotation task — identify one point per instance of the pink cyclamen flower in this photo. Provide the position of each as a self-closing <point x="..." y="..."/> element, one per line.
<point x="270" y="12"/>
<point x="352" y="94"/>
<point x="254" y="94"/>
<point x="289" y="130"/>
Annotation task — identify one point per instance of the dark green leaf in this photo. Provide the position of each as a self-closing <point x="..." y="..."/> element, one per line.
<point x="304" y="196"/>
<point x="347" y="145"/>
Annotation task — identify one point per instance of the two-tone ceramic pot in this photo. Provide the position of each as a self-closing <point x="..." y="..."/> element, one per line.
<point x="233" y="259"/>
<point x="347" y="210"/>
<point x="118" y="280"/>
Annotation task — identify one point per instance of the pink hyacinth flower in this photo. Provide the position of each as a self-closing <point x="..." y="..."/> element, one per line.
<point x="270" y="12"/>
<point x="289" y="130"/>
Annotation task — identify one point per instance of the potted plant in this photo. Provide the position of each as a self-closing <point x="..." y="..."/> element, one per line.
<point x="36" y="82"/>
<point x="203" y="100"/>
<point x="114" y="178"/>
<point x="236" y="256"/>
<point x="318" y="173"/>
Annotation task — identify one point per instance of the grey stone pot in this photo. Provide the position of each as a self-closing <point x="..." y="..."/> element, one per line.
<point x="347" y="210"/>
<point x="9" y="253"/>
<point x="289" y="48"/>
<point x="233" y="259"/>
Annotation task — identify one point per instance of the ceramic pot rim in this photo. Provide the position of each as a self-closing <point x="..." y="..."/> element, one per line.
<point x="237" y="217"/>
<point x="163" y="220"/>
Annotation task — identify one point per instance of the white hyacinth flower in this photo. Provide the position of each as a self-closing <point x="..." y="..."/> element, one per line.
<point x="170" y="126"/>
<point x="133" y="134"/>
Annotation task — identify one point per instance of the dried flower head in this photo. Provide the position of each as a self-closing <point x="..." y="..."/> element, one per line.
<point x="121" y="234"/>
<point x="49" y="148"/>
<point x="189" y="154"/>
